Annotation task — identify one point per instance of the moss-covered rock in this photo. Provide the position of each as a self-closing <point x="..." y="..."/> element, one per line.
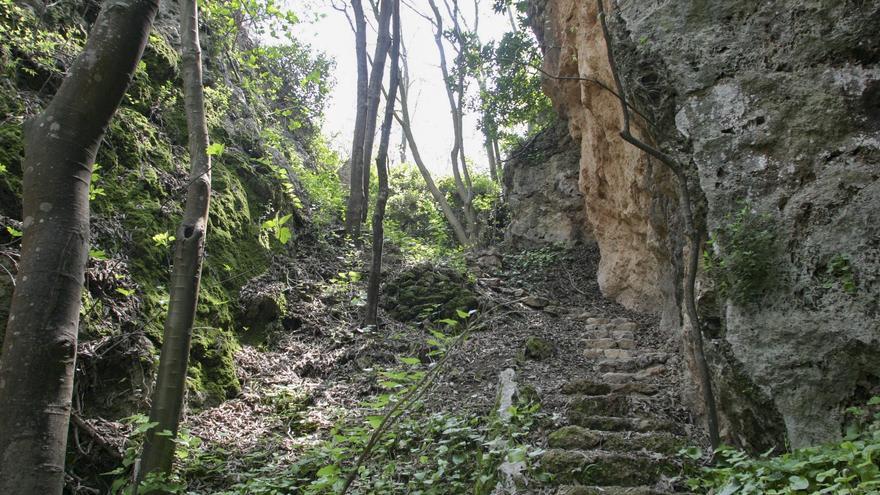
<point x="538" y="349"/>
<point x="573" y="437"/>
<point x="427" y="291"/>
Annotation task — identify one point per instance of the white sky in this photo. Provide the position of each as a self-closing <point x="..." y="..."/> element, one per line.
<point x="429" y="107"/>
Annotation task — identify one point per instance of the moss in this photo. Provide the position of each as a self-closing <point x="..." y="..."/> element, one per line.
<point x="212" y="373"/>
<point x="573" y="437"/>
<point x="428" y="291"/>
<point x="538" y="349"/>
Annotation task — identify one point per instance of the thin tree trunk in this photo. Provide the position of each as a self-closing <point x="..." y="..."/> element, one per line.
<point x="377" y="73"/>
<point x="406" y="126"/>
<point x="382" y="172"/>
<point x="694" y="337"/>
<point x="493" y="165"/>
<point x="189" y="252"/>
<point x="459" y="167"/>
<point x="497" y="157"/>
<point x="354" y="211"/>
<point x="39" y="349"/>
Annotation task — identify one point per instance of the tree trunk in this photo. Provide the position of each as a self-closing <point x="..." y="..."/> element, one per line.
<point x="459" y="167"/>
<point x="497" y="158"/>
<point x="377" y="73"/>
<point x="493" y="165"/>
<point x="693" y="338"/>
<point x="354" y="211"/>
<point x="406" y="125"/>
<point x="382" y="169"/>
<point x="39" y="351"/>
<point x="189" y="252"/>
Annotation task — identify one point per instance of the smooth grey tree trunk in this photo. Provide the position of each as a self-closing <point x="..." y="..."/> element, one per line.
<point x="406" y="125"/>
<point x="377" y="73"/>
<point x="189" y="252"/>
<point x="39" y="349"/>
<point x="355" y="207"/>
<point x="459" y="166"/>
<point x="382" y="173"/>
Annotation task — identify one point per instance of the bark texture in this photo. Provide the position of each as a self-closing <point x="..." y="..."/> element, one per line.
<point x="39" y="352"/>
<point x="382" y="173"/>
<point x="377" y="73"/>
<point x="354" y="211"/>
<point x="189" y="252"/>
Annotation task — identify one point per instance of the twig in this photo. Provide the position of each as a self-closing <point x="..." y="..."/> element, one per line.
<point x="403" y="405"/>
<point x="95" y="436"/>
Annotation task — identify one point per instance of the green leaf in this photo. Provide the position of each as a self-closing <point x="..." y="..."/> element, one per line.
<point x="283" y="235"/>
<point x="798" y="483"/>
<point x="215" y="149"/>
<point x="97" y="254"/>
<point x="124" y="292"/>
<point x="412" y="361"/>
<point x="13" y="232"/>
<point x="328" y="471"/>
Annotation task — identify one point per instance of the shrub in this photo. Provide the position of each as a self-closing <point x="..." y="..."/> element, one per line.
<point x="850" y="467"/>
<point x="741" y="255"/>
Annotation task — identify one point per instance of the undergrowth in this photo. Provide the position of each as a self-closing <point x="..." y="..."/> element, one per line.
<point x="424" y="452"/>
<point x="849" y="467"/>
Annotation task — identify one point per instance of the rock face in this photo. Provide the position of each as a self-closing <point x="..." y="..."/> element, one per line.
<point x="542" y="191"/>
<point x="777" y="107"/>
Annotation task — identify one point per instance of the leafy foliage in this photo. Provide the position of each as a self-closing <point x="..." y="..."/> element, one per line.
<point x="850" y="467"/>
<point x="741" y="256"/>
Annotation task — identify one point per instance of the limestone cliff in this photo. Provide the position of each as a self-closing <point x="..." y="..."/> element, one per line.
<point x="777" y="105"/>
<point x="542" y="192"/>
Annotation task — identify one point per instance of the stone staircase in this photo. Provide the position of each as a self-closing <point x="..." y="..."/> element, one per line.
<point x="612" y="443"/>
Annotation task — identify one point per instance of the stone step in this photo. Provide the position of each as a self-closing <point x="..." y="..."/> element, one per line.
<point x="600" y="405"/>
<point x="634" y="388"/>
<point x="634" y="363"/>
<point x="626" y="377"/>
<point x="607" y="468"/>
<point x="575" y="437"/>
<point x="613" y="423"/>
<point x="609" y="353"/>
<point x="606" y="332"/>
<point x="585" y="386"/>
<point x="607" y="490"/>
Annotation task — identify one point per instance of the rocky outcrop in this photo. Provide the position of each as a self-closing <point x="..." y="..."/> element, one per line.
<point x="777" y="106"/>
<point x="542" y="191"/>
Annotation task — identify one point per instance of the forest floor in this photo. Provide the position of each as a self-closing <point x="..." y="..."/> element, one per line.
<point x="535" y="308"/>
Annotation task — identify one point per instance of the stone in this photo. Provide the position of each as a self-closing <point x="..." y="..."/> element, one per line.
<point x="606" y="468"/>
<point x="600" y="343"/>
<point x="627" y="327"/>
<point x="594" y="353"/>
<point x="506" y="391"/>
<point x="545" y="202"/>
<point x="535" y="302"/>
<point x="573" y="437"/>
<point x="617" y="353"/>
<point x="628" y="344"/>
<point x="618" y="377"/>
<point x="600" y="405"/>
<point x="622" y="334"/>
<point x="738" y="108"/>
<point x="585" y="386"/>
